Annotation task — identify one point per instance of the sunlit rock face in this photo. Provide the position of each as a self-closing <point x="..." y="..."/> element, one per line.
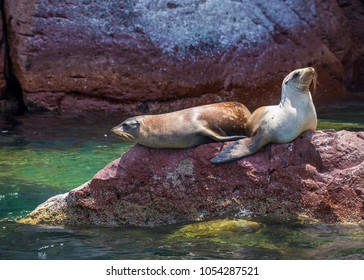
<point x="156" y="56"/>
<point x="320" y="176"/>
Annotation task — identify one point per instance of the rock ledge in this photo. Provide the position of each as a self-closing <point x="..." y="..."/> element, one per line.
<point x="319" y="175"/>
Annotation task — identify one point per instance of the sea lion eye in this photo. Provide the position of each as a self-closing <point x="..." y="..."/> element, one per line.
<point x="296" y="75"/>
<point x="130" y="124"/>
<point x="134" y="123"/>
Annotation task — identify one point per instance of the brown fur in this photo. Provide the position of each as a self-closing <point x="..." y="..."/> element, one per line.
<point x="187" y="128"/>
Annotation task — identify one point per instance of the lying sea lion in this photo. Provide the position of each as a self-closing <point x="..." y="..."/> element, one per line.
<point x="187" y="128"/>
<point x="281" y="123"/>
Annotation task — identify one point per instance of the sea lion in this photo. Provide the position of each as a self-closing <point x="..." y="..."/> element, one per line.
<point x="186" y="128"/>
<point x="281" y="123"/>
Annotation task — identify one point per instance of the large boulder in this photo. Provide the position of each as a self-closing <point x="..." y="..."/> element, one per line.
<point x="2" y="59"/>
<point x="320" y="175"/>
<point x="354" y="63"/>
<point x="152" y="56"/>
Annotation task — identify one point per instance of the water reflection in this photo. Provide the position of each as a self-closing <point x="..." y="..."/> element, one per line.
<point x="274" y="241"/>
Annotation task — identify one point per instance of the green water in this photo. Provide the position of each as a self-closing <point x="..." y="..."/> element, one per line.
<point x="345" y="116"/>
<point x="42" y="155"/>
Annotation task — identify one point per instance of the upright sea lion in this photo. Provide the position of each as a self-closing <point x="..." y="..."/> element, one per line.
<point x="280" y="123"/>
<point x="187" y="128"/>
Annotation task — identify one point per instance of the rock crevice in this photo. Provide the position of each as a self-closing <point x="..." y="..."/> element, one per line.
<point x="10" y="88"/>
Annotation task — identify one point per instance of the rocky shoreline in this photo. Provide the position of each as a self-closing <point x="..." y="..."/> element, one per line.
<point x="320" y="175"/>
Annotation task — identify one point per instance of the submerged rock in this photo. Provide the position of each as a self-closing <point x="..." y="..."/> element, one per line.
<point x="319" y="175"/>
<point x="236" y="232"/>
<point x="214" y="227"/>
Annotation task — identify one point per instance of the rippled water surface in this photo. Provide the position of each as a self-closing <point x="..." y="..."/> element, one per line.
<point x="42" y="155"/>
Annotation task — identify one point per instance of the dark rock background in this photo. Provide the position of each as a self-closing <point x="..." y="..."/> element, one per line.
<point x="135" y="57"/>
<point x="2" y="59"/>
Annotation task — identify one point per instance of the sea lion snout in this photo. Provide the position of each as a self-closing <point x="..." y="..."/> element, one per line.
<point x="309" y="77"/>
<point x="127" y="130"/>
<point x="309" y="71"/>
<point x="118" y="130"/>
<point x="115" y="128"/>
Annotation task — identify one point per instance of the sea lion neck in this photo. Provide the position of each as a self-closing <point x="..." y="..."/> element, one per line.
<point x="293" y="94"/>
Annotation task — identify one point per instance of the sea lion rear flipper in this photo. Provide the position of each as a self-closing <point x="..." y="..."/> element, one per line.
<point x="237" y="150"/>
<point x="217" y="137"/>
<point x="226" y="138"/>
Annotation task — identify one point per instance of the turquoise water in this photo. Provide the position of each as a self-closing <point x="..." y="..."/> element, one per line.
<point x="42" y="155"/>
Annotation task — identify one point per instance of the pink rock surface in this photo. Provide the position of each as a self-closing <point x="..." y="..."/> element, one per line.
<point x="135" y="57"/>
<point x="319" y="175"/>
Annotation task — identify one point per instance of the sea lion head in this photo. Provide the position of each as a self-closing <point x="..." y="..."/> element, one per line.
<point x="300" y="80"/>
<point x="128" y="130"/>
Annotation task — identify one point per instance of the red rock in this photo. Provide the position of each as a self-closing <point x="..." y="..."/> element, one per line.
<point x="136" y="57"/>
<point x="354" y="61"/>
<point x="2" y="60"/>
<point x="320" y="175"/>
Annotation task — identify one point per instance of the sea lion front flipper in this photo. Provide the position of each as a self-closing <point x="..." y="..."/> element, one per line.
<point x="238" y="149"/>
